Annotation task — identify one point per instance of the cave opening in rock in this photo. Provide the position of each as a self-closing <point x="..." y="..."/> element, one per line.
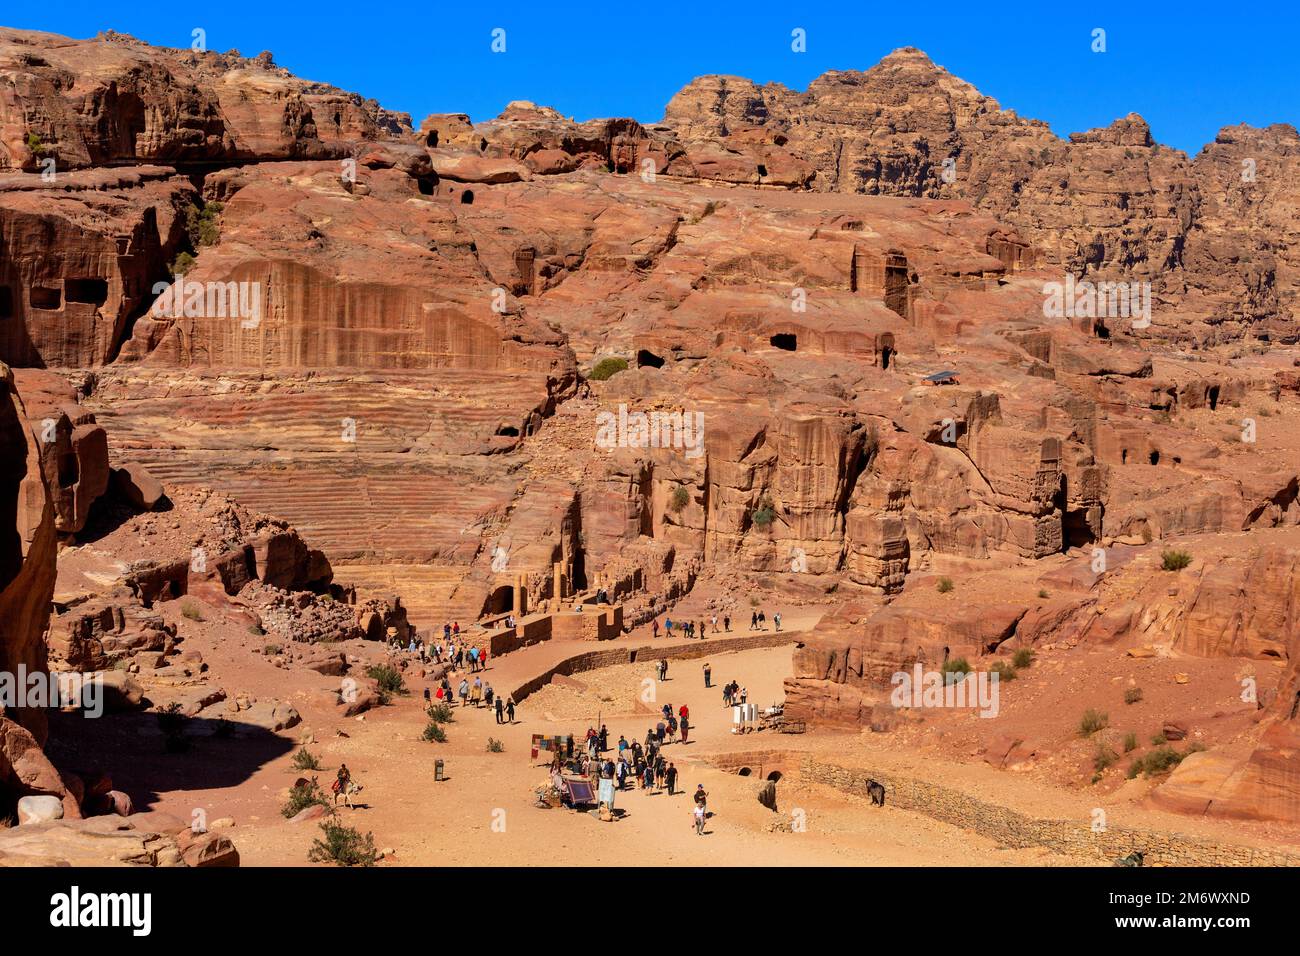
<point x="432" y="139"/>
<point x="743" y="772"/>
<point x="42" y="297"/>
<point x="887" y="350"/>
<point x="762" y="170"/>
<point x="69" y="471"/>
<point x="428" y="184"/>
<point x="786" y="341"/>
<point x="1099" y="329"/>
<point x="6" y="302"/>
<point x="647" y="359"/>
<point x="502" y="600"/>
<point x="88" y="291"/>
<point x="774" y="776"/>
<point x="1213" y="397"/>
<point x="1155" y="457"/>
<point x="467" y="198"/>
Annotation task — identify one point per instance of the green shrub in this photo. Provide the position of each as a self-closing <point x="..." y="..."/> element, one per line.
<point x="270" y="650"/>
<point x="1043" y="593"/>
<point x="1104" y="758"/>
<point x="1130" y="742"/>
<point x="344" y="846"/>
<point x="954" y="669"/>
<point x="1005" y="670"/>
<point x="191" y="611"/>
<point x="1132" y="695"/>
<point x="304" y="759"/>
<point x="1022" y="658"/>
<point x="765" y="514"/>
<point x="495" y="746"/>
<point x="172" y="724"/>
<point x="945" y="585"/>
<point x="1092" y="721"/>
<point x="433" y="733"/>
<point x="304" y="795"/>
<point x="256" y="630"/>
<point x="34" y="144"/>
<point x="439" y="713"/>
<point x="203" y="225"/>
<point x="1158" y="740"/>
<point x="680" y="498"/>
<point x="389" y="679"/>
<point x="1158" y="761"/>
<point x="607" y="368"/>
<point x="1174" y="560"/>
<point x="183" y="263"/>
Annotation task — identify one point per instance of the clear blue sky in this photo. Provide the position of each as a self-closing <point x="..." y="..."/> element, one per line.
<point x="1188" y="68"/>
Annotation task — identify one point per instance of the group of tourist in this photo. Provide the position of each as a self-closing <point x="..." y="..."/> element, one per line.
<point x="691" y="629"/>
<point x="733" y="694"/>
<point x="758" y="620"/>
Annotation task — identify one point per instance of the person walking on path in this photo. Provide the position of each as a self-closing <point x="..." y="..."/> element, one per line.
<point x="753" y="621"/>
<point x="697" y="817"/>
<point x="654" y="630"/>
<point x="708" y="675"/>
<point x="776" y="619"/>
<point x="670" y="775"/>
<point x="686" y="728"/>
<point x="510" y="708"/>
<point x="501" y="711"/>
<point x="727" y="622"/>
<point x="463" y="691"/>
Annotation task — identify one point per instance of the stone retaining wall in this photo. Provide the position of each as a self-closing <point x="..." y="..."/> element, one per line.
<point x="1015" y="829"/>
<point x="593" y="660"/>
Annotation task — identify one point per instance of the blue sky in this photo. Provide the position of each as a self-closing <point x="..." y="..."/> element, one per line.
<point x="1188" y="68"/>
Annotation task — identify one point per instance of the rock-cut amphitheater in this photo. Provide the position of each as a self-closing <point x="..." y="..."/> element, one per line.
<point x="286" y="377"/>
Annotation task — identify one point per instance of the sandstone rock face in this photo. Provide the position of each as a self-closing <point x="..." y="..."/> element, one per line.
<point x="114" y="100"/>
<point x="110" y="841"/>
<point x="27" y="572"/>
<point x="1214" y="234"/>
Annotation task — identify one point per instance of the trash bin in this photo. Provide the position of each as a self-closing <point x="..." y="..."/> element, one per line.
<point x="437" y="770"/>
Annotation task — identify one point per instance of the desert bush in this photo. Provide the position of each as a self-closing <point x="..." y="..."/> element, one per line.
<point x="190" y="611"/>
<point x="1043" y="593"/>
<point x="1158" y="740"/>
<point x="1092" y="721"/>
<point x="495" y="746"/>
<point x="1004" y="669"/>
<point x="1130" y="742"/>
<point x="1022" y="658"/>
<point x="680" y="498"/>
<point x="954" y="669"/>
<point x="1104" y="758"/>
<point x="1161" y="760"/>
<point x="203" y="225"/>
<point x="944" y="586"/>
<point x="304" y="759"/>
<point x="1132" y="695"/>
<point x="389" y="679"/>
<point x="433" y="733"/>
<point x="1172" y="560"/>
<point x="765" y="514"/>
<point x="344" y="846"/>
<point x="182" y="264"/>
<point x="304" y="795"/>
<point x="439" y="713"/>
<point x="607" y="368"/>
<point x="172" y="724"/>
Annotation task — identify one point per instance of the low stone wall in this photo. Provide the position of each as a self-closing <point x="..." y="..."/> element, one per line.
<point x="593" y="660"/>
<point x="1015" y="829"/>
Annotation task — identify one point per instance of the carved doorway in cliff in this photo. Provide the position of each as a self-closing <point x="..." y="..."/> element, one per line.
<point x="1212" y="396"/>
<point x="647" y="359"/>
<point x="502" y="600"/>
<point x="887" y="350"/>
<point x="786" y="341"/>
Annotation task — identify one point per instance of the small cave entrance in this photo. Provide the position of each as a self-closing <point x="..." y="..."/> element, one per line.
<point x="1123" y="456"/>
<point x="43" y="297"/>
<point x="467" y="198"/>
<point x="1075" y="530"/>
<point x="6" y="302"/>
<point x="88" y="291"/>
<point x="762" y="170"/>
<point x="786" y="341"/>
<point x="1099" y="329"/>
<point x="428" y="184"/>
<point x="744" y="772"/>
<point x="647" y="359"/>
<point x="431" y="140"/>
<point x="69" y="470"/>
<point x="502" y="600"/>
<point x="887" y="351"/>
<point x="509" y="431"/>
<point x="482" y="145"/>
<point x="1154" y="457"/>
<point x="774" y="776"/>
<point x="1212" y="396"/>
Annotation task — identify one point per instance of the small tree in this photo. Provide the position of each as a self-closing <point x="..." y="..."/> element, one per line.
<point x="680" y="498"/>
<point x="765" y="514"/>
<point x="607" y="368"/>
<point x="304" y="759"/>
<point x="344" y="846"/>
